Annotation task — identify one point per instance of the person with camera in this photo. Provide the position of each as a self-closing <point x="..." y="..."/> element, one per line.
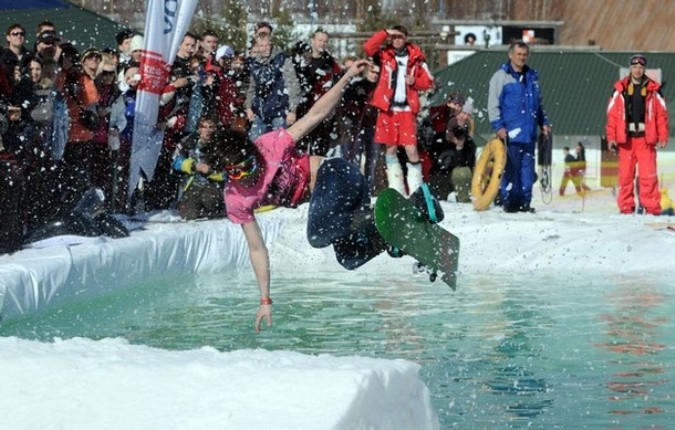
<point x="48" y="50"/>
<point x="454" y="154"/>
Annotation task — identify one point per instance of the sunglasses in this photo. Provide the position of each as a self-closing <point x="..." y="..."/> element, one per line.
<point x="638" y="61"/>
<point x="241" y="170"/>
<point x="107" y="73"/>
<point x="397" y="36"/>
<point x="18" y="33"/>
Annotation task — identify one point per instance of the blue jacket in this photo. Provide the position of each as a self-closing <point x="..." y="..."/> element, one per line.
<point x="274" y="89"/>
<point x="514" y="103"/>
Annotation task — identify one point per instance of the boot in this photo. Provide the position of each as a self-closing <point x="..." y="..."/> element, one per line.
<point x="427" y="204"/>
<point x="395" y="174"/>
<point x="414" y="176"/>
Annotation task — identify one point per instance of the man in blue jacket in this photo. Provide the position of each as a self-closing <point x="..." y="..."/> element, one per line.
<point x="515" y="111"/>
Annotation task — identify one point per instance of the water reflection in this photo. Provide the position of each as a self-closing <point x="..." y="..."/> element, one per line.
<point x="633" y="331"/>
<point x="515" y="359"/>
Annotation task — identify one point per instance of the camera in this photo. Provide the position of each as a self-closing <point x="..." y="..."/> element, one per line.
<point x="459" y="132"/>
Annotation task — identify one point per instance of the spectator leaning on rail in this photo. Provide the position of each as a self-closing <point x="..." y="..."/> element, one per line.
<point x="515" y="110"/>
<point x="637" y="124"/>
<point x="403" y="74"/>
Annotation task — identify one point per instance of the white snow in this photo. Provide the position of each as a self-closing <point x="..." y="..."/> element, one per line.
<point x="110" y="384"/>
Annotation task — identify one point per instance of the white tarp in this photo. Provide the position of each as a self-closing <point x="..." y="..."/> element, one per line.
<point x="33" y="279"/>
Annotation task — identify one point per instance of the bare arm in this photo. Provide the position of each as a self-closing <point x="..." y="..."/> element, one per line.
<point x="325" y="105"/>
<point x="260" y="261"/>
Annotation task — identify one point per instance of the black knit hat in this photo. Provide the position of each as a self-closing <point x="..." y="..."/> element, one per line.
<point x="124" y="35"/>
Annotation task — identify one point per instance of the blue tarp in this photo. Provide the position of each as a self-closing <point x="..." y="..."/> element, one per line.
<point x="33" y="4"/>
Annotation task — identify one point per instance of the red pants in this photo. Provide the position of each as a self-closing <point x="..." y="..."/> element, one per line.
<point x="637" y="153"/>
<point x="396" y="128"/>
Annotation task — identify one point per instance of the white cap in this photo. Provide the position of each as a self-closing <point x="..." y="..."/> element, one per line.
<point x="136" y="43"/>
<point x="224" y="51"/>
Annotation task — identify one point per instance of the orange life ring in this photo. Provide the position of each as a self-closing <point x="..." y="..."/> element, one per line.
<point x="488" y="174"/>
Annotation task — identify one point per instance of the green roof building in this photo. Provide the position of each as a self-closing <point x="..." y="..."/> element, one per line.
<point x="576" y="86"/>
<point x="79" y="26"/>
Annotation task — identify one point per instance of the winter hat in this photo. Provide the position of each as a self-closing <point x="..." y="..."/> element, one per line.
<point x="136" y="43"/>
<point x="638" y="59"/>
<point x="224" y="51"/>
<point x="456" y="98"/>
<point x="124" y="35"/>
<point x="91" y="52"/>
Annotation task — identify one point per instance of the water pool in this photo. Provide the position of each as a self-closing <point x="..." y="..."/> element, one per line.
<point x="521" y="351"/>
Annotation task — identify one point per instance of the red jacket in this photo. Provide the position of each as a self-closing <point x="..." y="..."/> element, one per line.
<point x="656" y="115"/>
<point x="417" y="67"/>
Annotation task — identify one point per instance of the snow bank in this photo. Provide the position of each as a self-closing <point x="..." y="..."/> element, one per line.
<point x="109" y="384"/>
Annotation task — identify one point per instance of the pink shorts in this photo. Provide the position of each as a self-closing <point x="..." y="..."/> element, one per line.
<point x="396" y="128"/>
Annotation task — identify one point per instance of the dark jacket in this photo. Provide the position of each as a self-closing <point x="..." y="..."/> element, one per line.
<point x="273" y="87"/>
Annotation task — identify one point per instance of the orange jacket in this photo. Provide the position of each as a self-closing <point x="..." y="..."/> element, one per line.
<point x="656" y="114"/>
<point x="82" y="95"/>
<point x="385" y="58"/>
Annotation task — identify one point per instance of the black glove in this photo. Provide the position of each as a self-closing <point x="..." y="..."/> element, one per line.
<point x="446" y="159"/>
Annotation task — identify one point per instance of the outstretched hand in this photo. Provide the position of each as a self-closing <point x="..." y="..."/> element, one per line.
<point x="357" y="67"/>
<point x="264" y="311"/>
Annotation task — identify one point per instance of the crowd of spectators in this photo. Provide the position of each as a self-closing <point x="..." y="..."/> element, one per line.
<point x="67" y="116"/>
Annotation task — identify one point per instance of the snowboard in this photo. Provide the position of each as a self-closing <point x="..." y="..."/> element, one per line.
<point x="402" y="225"/>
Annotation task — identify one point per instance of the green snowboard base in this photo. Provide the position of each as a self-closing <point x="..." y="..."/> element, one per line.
<point x="403" y="226"/>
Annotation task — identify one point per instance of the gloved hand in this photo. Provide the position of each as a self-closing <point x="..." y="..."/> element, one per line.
<point x="446" y="159"/>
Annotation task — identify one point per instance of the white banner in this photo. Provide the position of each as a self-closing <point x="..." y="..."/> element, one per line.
<point x="166" y="23"/>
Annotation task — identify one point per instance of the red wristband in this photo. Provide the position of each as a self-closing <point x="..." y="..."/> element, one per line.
<point x="265" y="301"/>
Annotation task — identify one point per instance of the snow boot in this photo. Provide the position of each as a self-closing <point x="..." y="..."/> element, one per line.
<point x="414" y="177"/>
<point x="427" y="204"/>
<point x="395" y="174"/>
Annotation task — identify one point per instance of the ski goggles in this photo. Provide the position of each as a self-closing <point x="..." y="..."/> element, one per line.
<point x="638" y="59"/>
<point x="241" y="170"/>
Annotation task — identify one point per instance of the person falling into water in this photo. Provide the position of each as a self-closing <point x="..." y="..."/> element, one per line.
<point x="273" y="171"/>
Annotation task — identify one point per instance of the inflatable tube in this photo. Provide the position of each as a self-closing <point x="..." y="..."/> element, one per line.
<point x="265" y="208"/>
<point x="487" y="174"/>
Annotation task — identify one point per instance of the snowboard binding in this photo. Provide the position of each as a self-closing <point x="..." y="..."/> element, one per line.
<point x="423" y="268"/>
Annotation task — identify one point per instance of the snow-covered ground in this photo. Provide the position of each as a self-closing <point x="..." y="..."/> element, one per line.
<point x="81" y="383"/>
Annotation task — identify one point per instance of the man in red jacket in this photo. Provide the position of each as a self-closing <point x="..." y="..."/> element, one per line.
<point x="403" y="74"/>
<point x="637" y="124"/>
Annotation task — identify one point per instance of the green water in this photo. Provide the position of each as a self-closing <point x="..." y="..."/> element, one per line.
<point x="501" y="352"/>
